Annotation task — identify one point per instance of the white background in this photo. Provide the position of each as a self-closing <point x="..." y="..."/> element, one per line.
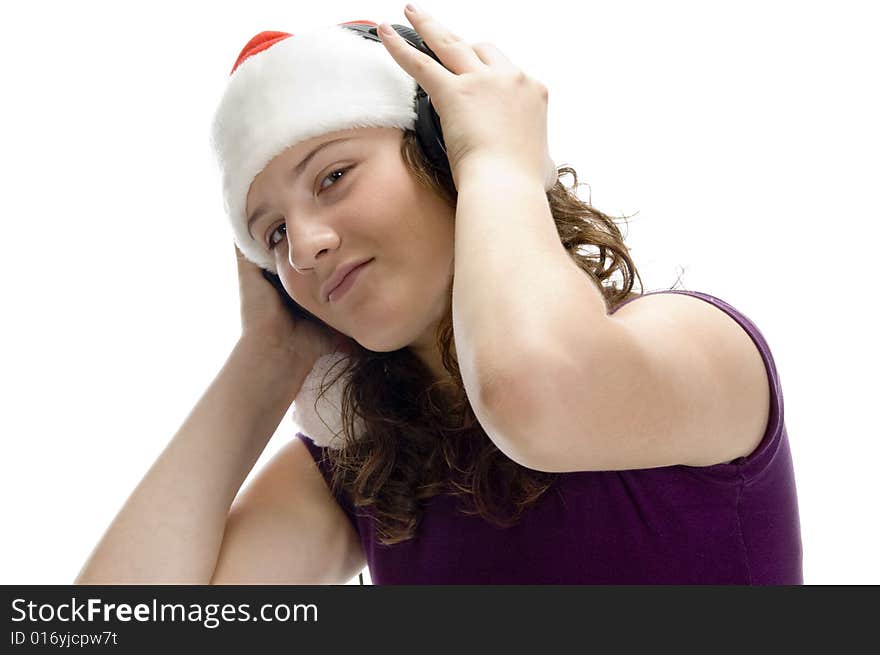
<point x="743" y="133"/>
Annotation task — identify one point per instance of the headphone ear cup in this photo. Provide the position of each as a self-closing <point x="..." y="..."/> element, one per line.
<point x="430" y="135"/>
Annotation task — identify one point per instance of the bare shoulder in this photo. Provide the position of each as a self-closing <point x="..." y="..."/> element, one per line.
<point x="675" y="381"/>
<point x="676" y="325"/>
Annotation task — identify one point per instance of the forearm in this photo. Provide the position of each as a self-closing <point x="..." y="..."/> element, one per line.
<point x="515" y="287"/>
<point x="171" y="527"/>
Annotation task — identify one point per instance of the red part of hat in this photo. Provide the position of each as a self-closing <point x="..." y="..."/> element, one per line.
<point x="267" y="39"/>
<point x="257" y="44"/>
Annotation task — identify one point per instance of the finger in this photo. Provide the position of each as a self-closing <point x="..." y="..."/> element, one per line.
<point x="456" y="56"/>
<point x="492" y="56"/>
<point x="430" y="75"/>
<point x="240" y="259"/>
<point x="455" y="53"/>
<point x="245" y="266"/>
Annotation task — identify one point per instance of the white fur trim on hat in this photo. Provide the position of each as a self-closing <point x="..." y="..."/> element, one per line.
<point x="329" y="407"/>
<point x="303" y="86"/>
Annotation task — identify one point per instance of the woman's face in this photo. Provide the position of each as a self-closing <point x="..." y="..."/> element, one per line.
<point x="325" y="217"/>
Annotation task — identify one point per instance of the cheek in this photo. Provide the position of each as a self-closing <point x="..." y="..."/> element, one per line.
<point x="432" y="267"/>
<point x="290" y="288"/>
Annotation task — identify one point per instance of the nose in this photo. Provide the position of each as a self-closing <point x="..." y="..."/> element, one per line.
<point x="306" y="242"/>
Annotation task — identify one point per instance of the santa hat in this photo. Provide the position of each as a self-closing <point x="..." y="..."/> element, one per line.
<point x="284" y="89"/>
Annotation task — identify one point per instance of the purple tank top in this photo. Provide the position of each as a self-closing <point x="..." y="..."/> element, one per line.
<point x="731" y="523"/>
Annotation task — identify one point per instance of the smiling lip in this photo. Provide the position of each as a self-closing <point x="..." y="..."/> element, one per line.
<point x="346" y="282"/>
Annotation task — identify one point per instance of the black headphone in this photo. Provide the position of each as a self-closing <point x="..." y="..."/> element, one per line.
<point x="428" y="134"/>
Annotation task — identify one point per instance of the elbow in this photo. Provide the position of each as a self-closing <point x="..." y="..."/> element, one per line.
<point x="507" y="408"/>
<point x="535" y="415"/>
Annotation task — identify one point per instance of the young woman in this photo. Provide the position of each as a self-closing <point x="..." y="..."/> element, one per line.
<point x="495" y="409"/>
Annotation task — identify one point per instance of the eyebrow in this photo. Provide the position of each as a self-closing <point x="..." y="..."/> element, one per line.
<point x="297" y="172"/>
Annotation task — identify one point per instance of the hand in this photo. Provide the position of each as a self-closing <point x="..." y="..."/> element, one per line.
<point x="267" y="323"/>
<point x="488" y="108"/>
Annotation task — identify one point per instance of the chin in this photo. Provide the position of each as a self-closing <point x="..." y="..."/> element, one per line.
<point x="379" y="347"/>
<point x="383" y="343"/>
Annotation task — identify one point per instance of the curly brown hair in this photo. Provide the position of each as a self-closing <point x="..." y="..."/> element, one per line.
<point x="421" y="437"/>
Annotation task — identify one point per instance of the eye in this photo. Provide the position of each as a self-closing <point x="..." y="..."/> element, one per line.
<point x="272" y="241"/>
<point x="332" y="173"/>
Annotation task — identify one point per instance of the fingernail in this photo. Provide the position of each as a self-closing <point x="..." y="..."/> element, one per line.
<point x="386" y="29"/>
<point x="412" y="9"/>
